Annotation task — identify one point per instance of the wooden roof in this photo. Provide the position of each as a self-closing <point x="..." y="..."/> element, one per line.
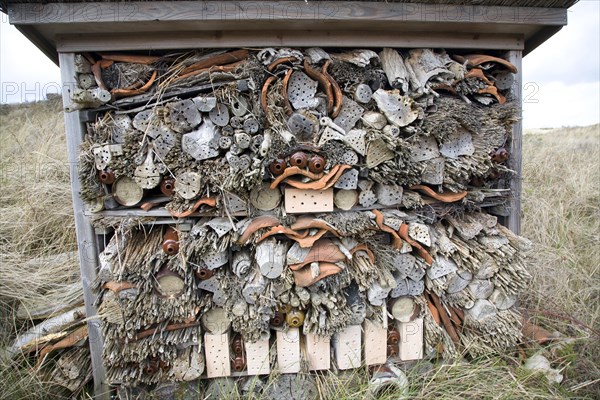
<point x="150" y="25"/>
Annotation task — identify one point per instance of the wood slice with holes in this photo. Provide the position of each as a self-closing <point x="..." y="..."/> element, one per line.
<point x="347" y="347"/>
<point x="216" y="349"/>
<point x="147" y="175"/>
<point x="317" y="352"/>
<point x="187" y="185"/>
<point x="215" y="321"/>
<point x="288" y="351"/>
<point x="308" y="201"/>
<point x="374" y="338"/>
<point x="257" y="357"/>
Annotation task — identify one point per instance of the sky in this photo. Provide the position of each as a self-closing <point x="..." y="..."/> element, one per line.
<point x="561" y="78"/>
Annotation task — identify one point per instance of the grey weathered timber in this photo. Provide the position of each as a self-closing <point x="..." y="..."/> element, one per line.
<point x="326" y="38"/>
<point x="292" y="12"/>
<point x="114" y="26"/>
<point x="88" y="257"/>
<point x="516" y="154"/>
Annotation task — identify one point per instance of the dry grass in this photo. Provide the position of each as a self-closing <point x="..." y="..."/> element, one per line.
<point x="561" y="215"/>
<point x="561" y="197"/>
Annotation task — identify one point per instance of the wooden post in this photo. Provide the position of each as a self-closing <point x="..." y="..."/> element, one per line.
<point x="516" y="154"/>
<point x="88" y="256"/>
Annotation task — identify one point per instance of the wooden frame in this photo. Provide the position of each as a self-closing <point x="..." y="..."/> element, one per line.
<point x="86" y="238"/>
<point x="67" y="27"/>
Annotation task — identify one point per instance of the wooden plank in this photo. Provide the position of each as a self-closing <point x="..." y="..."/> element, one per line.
<point x="301" y="38"/>
<point x="516" y="148"/>
<point x="216" y="351"/>
<point x="347" y="347"/>
<point x="88" y="255"/>
<point x="288" y="351"/>
<point x="411" y="340"/>
<point x="375" y="341"/>
<point x="299" y="201"/>
<point x="257" y="357"/>
<point x="318" y="352"/>
<point x="293" y="12"/>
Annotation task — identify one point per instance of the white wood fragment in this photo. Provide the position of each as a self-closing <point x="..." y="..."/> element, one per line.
<point x="257" y="357"/>
<point x="374" y="338"/>
<point x="308" y="201"/>
<point x="317" y="352"/>
<point x="411" y="340"/>
<point x="347" y="347"/>
<point x="217" y="355"/>
<point x="270" y="256"/>
<point x="288" y="351"/>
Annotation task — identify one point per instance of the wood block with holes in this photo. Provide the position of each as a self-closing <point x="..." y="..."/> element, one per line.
<point x="308" y="201"/>
<point x="347" y="347"/>
<point x="411" y="340"/>
<point x="257" y="357"/>
<point x="216" y="349"/>
<point x="318" y="352"/>
<point x="288" y="351"/>
<point x="375" y="340"/>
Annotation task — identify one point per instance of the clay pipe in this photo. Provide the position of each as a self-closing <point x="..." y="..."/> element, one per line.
<point x="129" y="58"/>
<point x="204" y="274"/>
<point x="295" y="318"/>
<point x="132" y="92"/>
<point x="170" y="241"/>
<point x="219" y="59"/>
<point x="393" y="336"/>
<point x="265" y="91"/>
<point x="280" y="61"/>
<point x="239" y="363"/>
<point x="444" y="317"/>
<point x="286" y="102"/>
<point x="167" y="186"/>
<point x="277" y="319"/>
<point x="337" y="92"/>
<point x="403" y="233"/>
<point x="323" y="82"/>
<point x="106" y="176"/>
<point x="237" y="345"/>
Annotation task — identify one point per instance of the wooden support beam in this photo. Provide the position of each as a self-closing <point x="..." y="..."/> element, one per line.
<point x="88" y="255"/>
<point x="298" y="12"/>
<point x="516" y="148"/>
<point x="301" y="38"/>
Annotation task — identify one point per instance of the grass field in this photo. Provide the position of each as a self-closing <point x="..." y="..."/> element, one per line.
<point x="561" y="215"/>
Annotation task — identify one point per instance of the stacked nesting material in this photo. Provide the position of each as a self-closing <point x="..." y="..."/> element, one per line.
<point x="325" y="201"/>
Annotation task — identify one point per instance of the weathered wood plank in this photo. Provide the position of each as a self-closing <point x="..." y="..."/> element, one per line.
<point x="288" y="351"/>
<point x="516" y="150"/>
<point x="216" y="349"/>
<point x="318" y="352"/>
<point x="347" y="347"/>
<point x="88" y="256"/>
<point x="375" y="339"/>
<point x="293" y="12"/>
<point x="300" y="38"/>
<point x="411" y="339"/>
<point x="257" y="357"/>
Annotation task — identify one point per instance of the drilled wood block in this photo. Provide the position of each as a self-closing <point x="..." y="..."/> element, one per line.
<point x="288" y="351"/>
<point x="216" y="348"/>
<point x="375" y="340"/>
<point x="318" y="352"/>
<point x="411" y="339"/>
<point x="257" y="357"/>
<point x="308" y="201"/>
<point x="347" y="347"/>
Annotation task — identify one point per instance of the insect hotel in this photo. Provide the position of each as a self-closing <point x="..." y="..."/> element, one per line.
<point x="267" y="190"/>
